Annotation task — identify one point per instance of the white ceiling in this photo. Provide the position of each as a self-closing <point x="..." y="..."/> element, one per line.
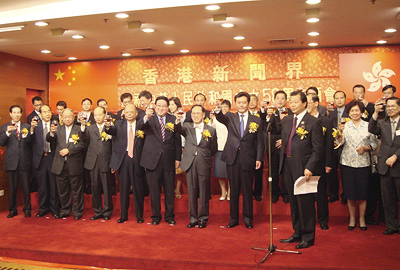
<point x="342" y="23"/>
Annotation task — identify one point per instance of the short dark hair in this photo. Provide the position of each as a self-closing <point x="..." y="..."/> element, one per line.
<point x="145" y="94"/>
<point x="354" y="103"/>
<point x="62" y="103"/>
<point x="197" y="105"/>
<point x="394" y="98"/>
<point x="388" y="87"/>
<point x="227" y="102"/>
<point x="40" y="110"/>
<point x="280" y="92"/>
<point x="125" y="95"/>
<point x="334" y="95"/>
<point x="359" y="86"/>
<point x="101" y="100"/>
<point x="200" y="94"/>
<point x="177" y="101"/>
<point x="15" y="106"/>
<point x="36" y="98"/>
<point x="162" y="98"/>
<point x="104" y="110"/>
<point x="254" y="95"/>
<point x="242" y="94"/>
<point x="312" y="88"/>
<point x="303" y="97"/>
<point x="314" y="98"/>
<point x="88" y="99"/>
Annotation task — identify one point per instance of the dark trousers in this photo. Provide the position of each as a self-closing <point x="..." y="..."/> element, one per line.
<point x="101" y="182"/>
<point x="302" y="207"/>
<point x="258" y="180"/>
<point x="374" y="198"/>
<point x="240" y="179"/>
<point x="129" y="170"/>
<point x="321" y="197"/>
<point x="332" y="177"/>
<point x="14" y="177"/>
<point x="278" y="189"/>
<point x="65" y="184"/>
<point x="47" y="187"/>
<point x="161" y="177"/>
<point x="390" y="187"/>
<point x="199" y="193"/>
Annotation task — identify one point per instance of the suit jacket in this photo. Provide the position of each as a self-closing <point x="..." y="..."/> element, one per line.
<point x="18" y="151"/>
<point x="388" y="146"/>
<point x="205" y="149"/>
<point x="38" y="145"/>
<point x="98" y="150"/>
<point x="305" y="152"/>
<point x="141" y="113"/>
<point x="120" y="139"/>
<point x="90" y="120"/>
<point x="30" y="116"/>
<point x="188" y="117"/>
<point x="74" y="158"/>
<point x="250" y="148"/>
<point x="370" y="108"/>
<point x="57" y="117"/>
<point x="155" y="149"/>
<point x="334" y="116"/>
<point x="327" y="150"/>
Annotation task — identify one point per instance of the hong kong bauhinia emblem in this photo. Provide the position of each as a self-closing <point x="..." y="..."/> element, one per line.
<point x="379" y="77"/>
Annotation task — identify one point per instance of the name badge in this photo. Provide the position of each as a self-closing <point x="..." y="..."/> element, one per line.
<point x="70" y="140"/>
<point x="397" y="132"/>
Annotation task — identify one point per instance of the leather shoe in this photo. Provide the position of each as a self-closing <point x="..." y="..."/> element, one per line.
<point x="275" y="199"/>
<point x="155" y="222"/>
<point x="257" y="198"/>
<point x="202" y="225"/>
<point x="171" y="222"/>
<point x="324" y="226"/>
<point x="285" y="198"/>
<point x="389" y="232"/>
<point x="107" y="218"/>
<point x="363" y="228"/>
<point x="77" y="217"/>
<point x="122" y="220"/>
<point x="27" y="214"/>
<point x="192" y="224"/>
<point x="41" y="214"/>
<point x="305" y="244"/>
<point x="231" y="225"/>
<point x="140" y="220"/>
<point x="61" y="216"/>
<point x="291" y="239"/>
<point x="95" y="217"/>
<point x="12" y="214"/>
<point x="249" y="225"/>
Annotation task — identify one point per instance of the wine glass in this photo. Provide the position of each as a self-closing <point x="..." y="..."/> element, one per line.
<point x="108" y="119"/>
<point x="284" y="111"/>
<point x="151" y="107"/>
<point x="55" y="123"/>
<point x="84" y="116"/>
<point x="342" y="120"/>
<point x="35" y="118"/>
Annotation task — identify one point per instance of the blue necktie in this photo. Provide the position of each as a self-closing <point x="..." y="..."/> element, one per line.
<point x="241" y="125"/>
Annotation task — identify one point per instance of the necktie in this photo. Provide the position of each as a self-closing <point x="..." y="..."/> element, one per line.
<point x="45" y="143"/>
<point x="338" y="117"/>
<point x="162" y="129"/>
<point x="393" y="129"/>
<point x="241" y="125"/>
<point x="100" y="129"/>
<point x="17" y="131"/>
<point x="130" y="141"/>
<point x="288" y="149"/>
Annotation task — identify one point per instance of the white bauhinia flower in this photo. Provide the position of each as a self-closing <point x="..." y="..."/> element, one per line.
<point x="378" y="77"/>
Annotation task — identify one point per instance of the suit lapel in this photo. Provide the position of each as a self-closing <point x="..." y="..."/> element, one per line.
<point x="158" y="127"/>
<point x="291" y="117"/>
<point x="236" y="122"/>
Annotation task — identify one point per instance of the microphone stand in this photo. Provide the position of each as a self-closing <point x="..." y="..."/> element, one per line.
<point x="272" y="248"/>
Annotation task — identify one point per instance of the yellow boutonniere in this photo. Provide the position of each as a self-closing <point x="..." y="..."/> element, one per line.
<point x="323" y="131"/>
<point x="113" y="121"/>
<point x="139" y="133"/>
<point x="348" y="119"/>
<point x="206" y="134"/>
<point x="257" y="114"/>
<point x="104" y="136"/>
<point x="302" y="132"/>
<point x="253" y="127"/>
<point x="88" y="124"/>
<point x="24" y="131"/>
<point x="170" y="127"/>
<point x="207" y="120"/>
<point x="75" y="138"/>
<point x="336" y="133"/>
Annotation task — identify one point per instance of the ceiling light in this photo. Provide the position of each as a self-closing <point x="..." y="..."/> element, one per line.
<point x="125" y="54"/>
<point x="238" y="38"/>
<point x="381" y="41"/>
<point x="313" y="2"/>
<point x="313" y="44"/>
<point x="313" y="34"/>
<point x="390" y="30"/>
<point x="148" y="30"/>
<point x="77" y="36"/>
<point x="104" y="47"/>
<point x="72" y="58"/>
<point x="41" y="23"/>
<point x="227" y="25"/>
<point x="121" y="15"/>
<point x="11" y="28"/>
<point x="313" y="20"/>
<point x="45" y="51"/>
<point x="247" y="48"/>
<point x="184" y="51"/>
<point x="212" y="7"/>
<point x="169" y="42"/>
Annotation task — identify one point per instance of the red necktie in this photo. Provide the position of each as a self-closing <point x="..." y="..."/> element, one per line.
<point x="130" y="142"/>
<point x="288" y="149"/>
<point x="162" y="125"/>
<point x="17" y="131"/>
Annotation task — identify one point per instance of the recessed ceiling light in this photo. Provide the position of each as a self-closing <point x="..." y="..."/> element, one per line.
<point x="227" y="25"/>
<point x="121" y="15"/>
<point x="41" y="23"/>
<point x="390" y="30"/>
<point x="77" y="36"/>
<point x="313" y="44"/>
<point x="148" y="30"/>
<point x="247" y="48"/>
<point x="313" y="34"/>
<point x="12" y="28"/>
<point x="104" y="47"/>
<point x="125" y="54"/>
<point x="313" y="2"/>
<point x="72" y="58"/>
<point x="184" y="51"/>
<point x="212" y="7"/>
<point x="238" y="38"/>
<point x="381" y="41"/>
<point x="45" y="51"/>
<point x="312" y="20"/>
<point x="169" y="42"/>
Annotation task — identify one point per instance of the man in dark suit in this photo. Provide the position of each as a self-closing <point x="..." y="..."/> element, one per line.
<point x="68" y="164"/>
<point x="325" y="162"/>
<point x="243" y="154"/>
<point x="61" y="106"/>
<point x="17" y="162"/>
<point x="312" y="90"/>
<point x="103" y="103"/>
<point x="199" y="99"/>
<point x="161" y="156"/>
<point x="97" y="162"/>
<point x="43" y="155"/>
<point x="388" y="159"/>
<point x="125" y="158"/>
<point x="359" y="94"/>
<point x="299" y="157"/>
<point x="200" y="146"/>
<point x="37" y="103"/>
<point x="127" y="98"/>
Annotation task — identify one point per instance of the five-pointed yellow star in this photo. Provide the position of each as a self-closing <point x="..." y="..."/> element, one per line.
<point x="59" y="75"/>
